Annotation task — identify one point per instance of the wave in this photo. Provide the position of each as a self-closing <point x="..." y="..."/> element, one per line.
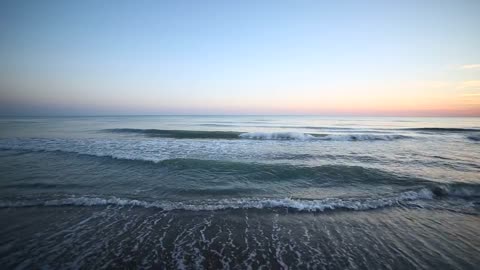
<point x="299" y="136"/>
<point x="307" y="205"/>
<point x="461" y="190"/>
<point x="326" y="137"/>
<point x="474" y="137"/>
<point x="191" y="134"/>
<point x="219" y="125"/>
<point x="366" y="137"/>
<point x="236" y="203"/>
<point x="433" y="129"/>
<point x="256" y="172"/>
<point x="179" y="134"/>
<point x="319" y="175"/>
<point x="326" y="128"/>
<point x="323" y="175"/>
<point x="278" y="136"/>
<point x="40" y="185"/>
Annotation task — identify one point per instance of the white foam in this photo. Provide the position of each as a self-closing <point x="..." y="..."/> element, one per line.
<point x="277" y="136"/>
<point x="364" y="137"/>
<point x="239" y="203"/>
<point x="330" y="137"/>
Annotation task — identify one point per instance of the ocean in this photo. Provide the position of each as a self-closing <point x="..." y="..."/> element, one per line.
<point x="239" y="192"/>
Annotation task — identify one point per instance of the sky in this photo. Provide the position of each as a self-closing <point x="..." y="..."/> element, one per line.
<point x="385" y="58"/>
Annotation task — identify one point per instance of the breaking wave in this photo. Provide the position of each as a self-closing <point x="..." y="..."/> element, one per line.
<point x="278" y="136"/>
<point x="306" y="205"/>
<point x="237" y="203"/>
<point x="299" y="136"/>
<point x="435" y="129"/>
<point x="325" y="137"/>
<point x="366" y="137"/>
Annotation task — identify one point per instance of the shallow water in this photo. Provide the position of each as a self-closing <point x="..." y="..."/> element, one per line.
<point x="240" y="192"/>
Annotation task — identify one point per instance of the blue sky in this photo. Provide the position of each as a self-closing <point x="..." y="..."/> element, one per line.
<point x="240" y="57"/>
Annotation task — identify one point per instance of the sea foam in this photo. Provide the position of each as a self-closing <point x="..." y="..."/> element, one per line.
<point x="365" y="137"/>
<point x="258" y="135"/>
<point x="237" y="203"/>
<point x="325" y="137"/>
<point x="276" y="136"/>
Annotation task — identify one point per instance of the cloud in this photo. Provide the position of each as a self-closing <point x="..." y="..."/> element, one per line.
<point x="471" y="66"/>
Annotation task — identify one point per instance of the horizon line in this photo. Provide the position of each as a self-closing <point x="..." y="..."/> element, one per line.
<point x="153" y="115"/>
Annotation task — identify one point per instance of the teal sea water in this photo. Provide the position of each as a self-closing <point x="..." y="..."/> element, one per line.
<point x="239" y="192"/>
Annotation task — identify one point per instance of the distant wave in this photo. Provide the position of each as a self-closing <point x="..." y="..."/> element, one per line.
<point x="354" y="129"/>
<point x="193" y="134"/>
<point x="432" y="129"/>
<point x="461" y="190"/>
<point x="327" y="128"/>
<point x="40" y="185"/>
<point x="219" y="125"/>
<point x="474" y="137"/>
<point x="299" y="136"/>
<point x="325" y="137"/>
<point x="366" y="137"/>
<point x="278" y="136"/>
<point x="179" y="134"/>
<point x="318" y="205"/>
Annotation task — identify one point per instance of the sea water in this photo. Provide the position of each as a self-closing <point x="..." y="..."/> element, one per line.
<point x="239" y="192"/>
